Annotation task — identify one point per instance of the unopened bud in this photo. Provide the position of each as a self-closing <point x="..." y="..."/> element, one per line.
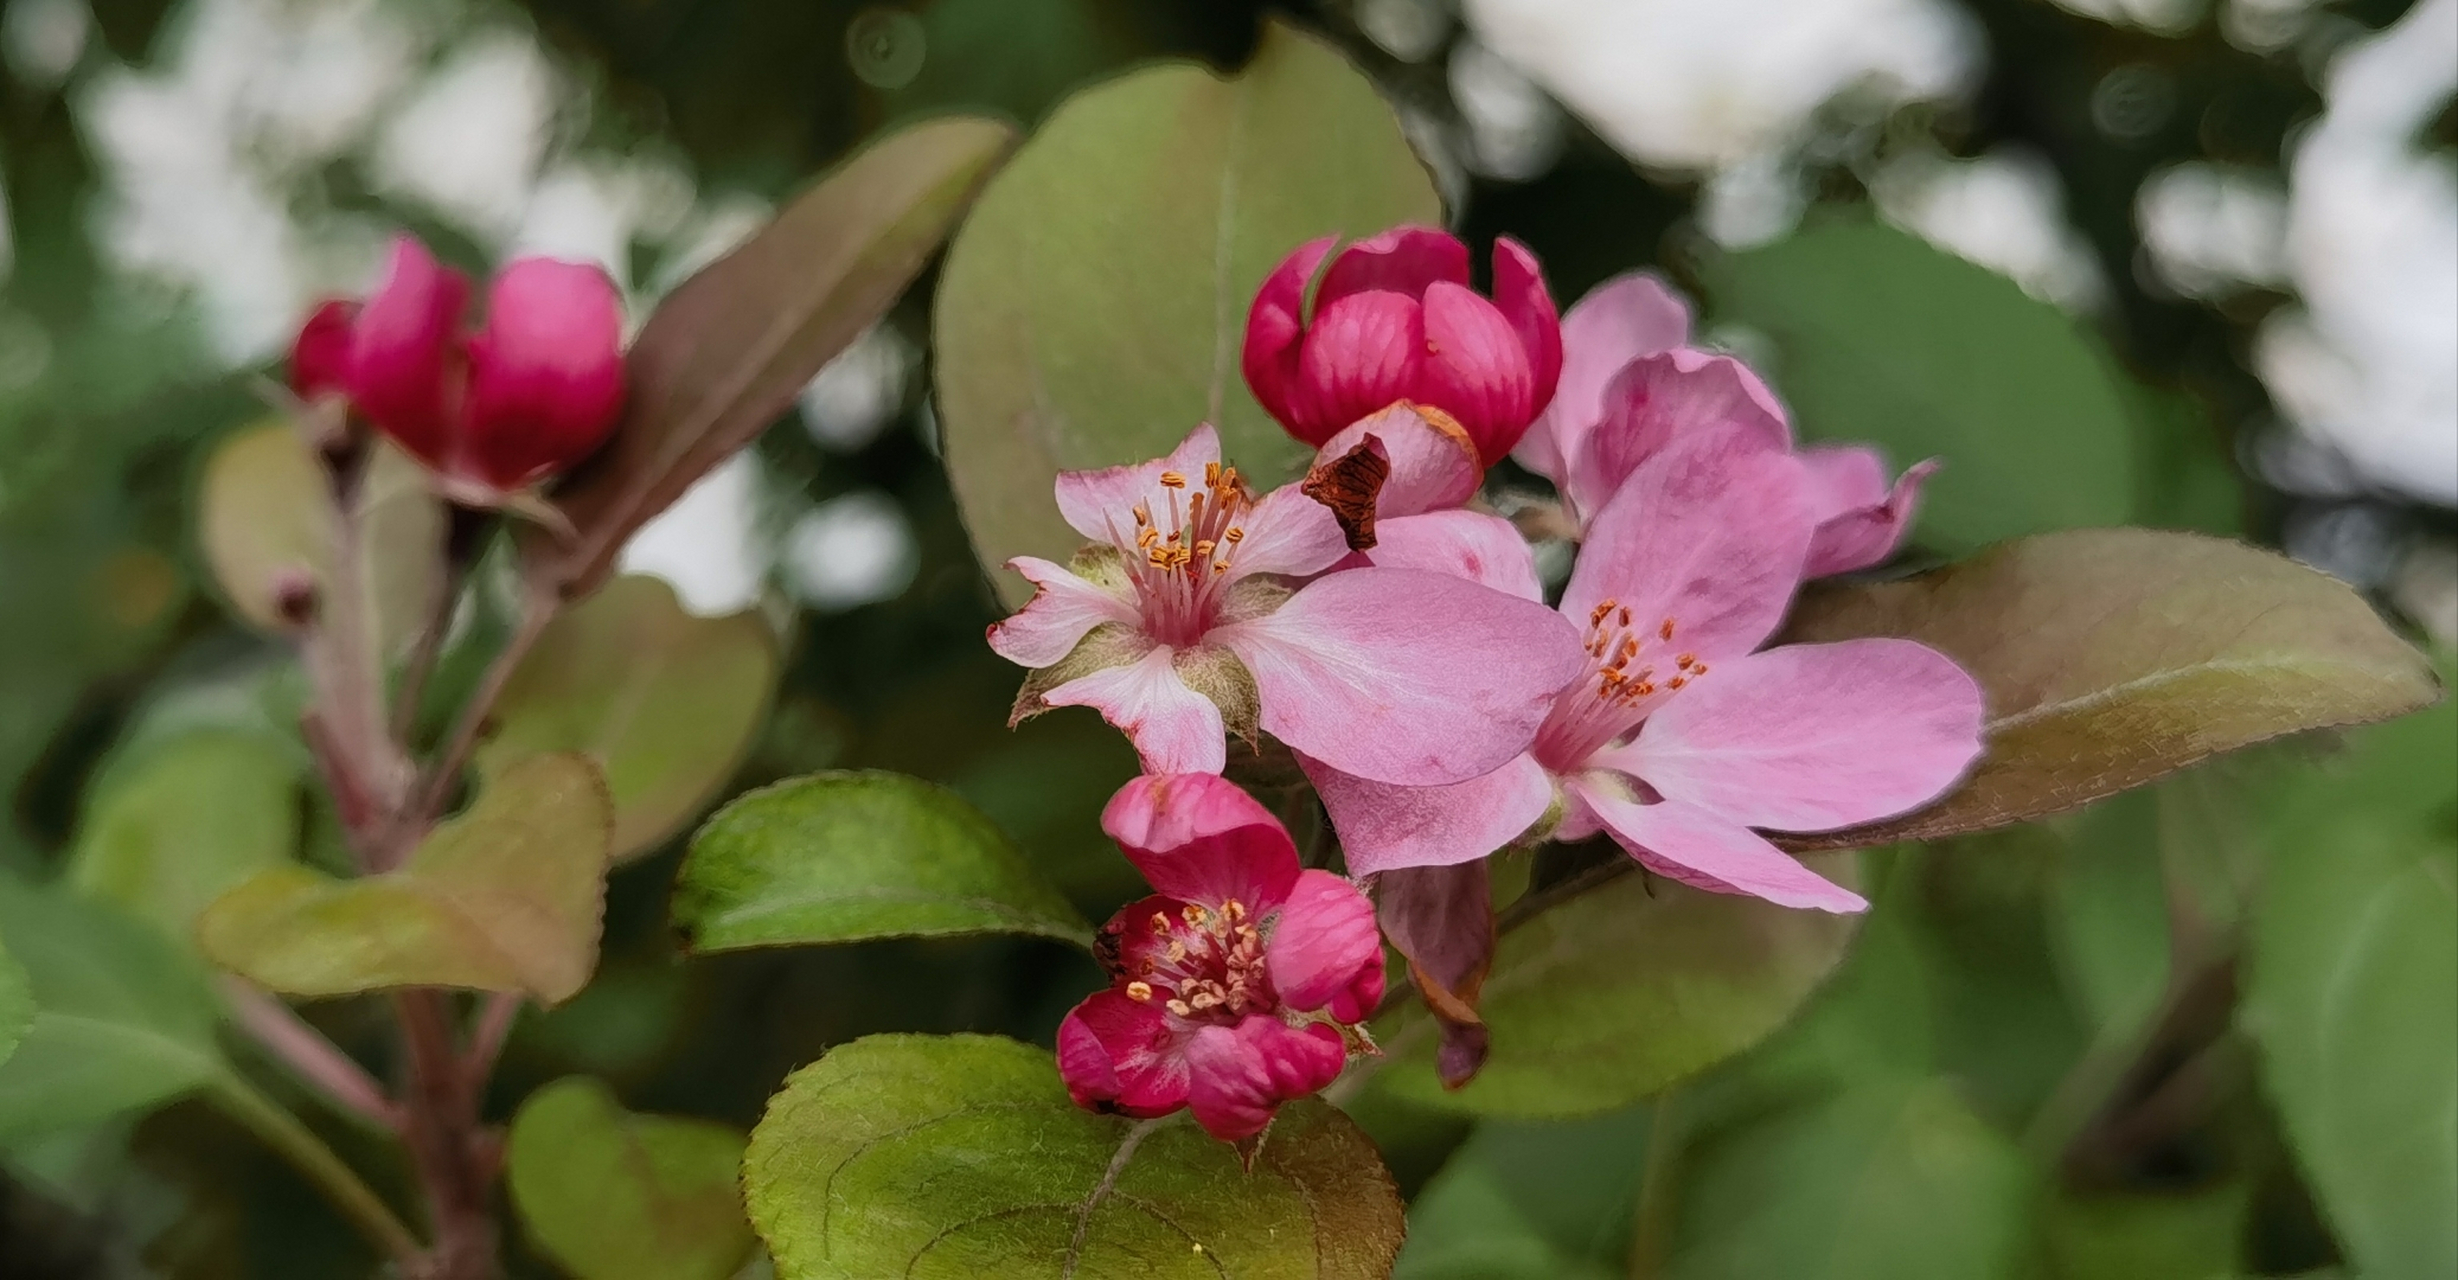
<point x="294" y="596"/>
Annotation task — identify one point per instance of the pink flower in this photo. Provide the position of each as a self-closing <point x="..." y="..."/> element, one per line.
<point x="490" y="411"/>
<point x="1231" y="987"/>
<point x="1428" y="472"/>
<point x="1631" y="385"/>
<point x="1681" y="739"/>
<point x="1189" y="617"/>
<point x="1394" y="319"/>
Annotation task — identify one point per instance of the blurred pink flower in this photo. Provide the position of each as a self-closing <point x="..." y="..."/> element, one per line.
<point x="1680" y="739"/>
<point x="492" y="411"/>
<point x="1394" y="319"/>
<point x="1189" y="616"/>
<point x="1231" y="987"/>
<point x="1631" y="385"/>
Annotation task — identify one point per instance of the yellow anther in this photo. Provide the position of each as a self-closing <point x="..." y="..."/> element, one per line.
<point x="1686" y="660"/>
<point x="1203" y="547"/>
<point x="1596" y="616"/>
<point x="1211" y="475"/>
<point x="1625" y="617"/>
<point x="1235" y="534"/>
<point x="1233" y="909"/>
<point x="1180" y="1008"/>
<point x="1173" y="480"/>
<point x="1665" y="631"/>
<point x="1196" y="915"/>
<point x="1140" y="992"/>
<point x="1159" y="924"/>
<point x="1676" y="682"/>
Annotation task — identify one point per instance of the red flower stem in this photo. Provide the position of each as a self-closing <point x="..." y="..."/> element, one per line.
<point x="488" y="1033"/>
<point x="456" y="1162"/>
<point x="539" y="605"/>
<point x="314" y="1059"/>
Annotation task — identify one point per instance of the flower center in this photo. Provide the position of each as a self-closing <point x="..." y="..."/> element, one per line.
<point x="1210" y="968"/>
<point x="1180" y="562"/>
<point x="1618" y="689"/>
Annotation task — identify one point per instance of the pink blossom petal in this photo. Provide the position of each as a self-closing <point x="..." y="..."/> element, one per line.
<point x="320" y="357"/>
<point x="1403" y="260"/>
<point x="1287" y="532"/>
<point x="1520" y="294"/>
<point x="1618" y="321"/>
<point x="1363" y="352"/>
<point x="1062" y="609"/>
<point x="546" y="374"/>
<point x="1384" y="828"/>
<point x="1405" y="676"/>
<point x="404" y="372"/>
<point x="1325" y="952"/>
<point x="1199" y="838"/>
<point x="1122" y="1056"/>
<point x="1709" y="534"/>
<point x="1484" y="549"/>
<point x="1864" y="519"/>
<point x="1434" y="464"/>
<point x="1708" y="851"/>
<point x="1100" y="504"/>
<point x="1239" y="1076"/>
<point x="1174" y="728"/>
<point x="1660" y="398"/>
<point x="1812" y="737"/>
<point x="1274" y="326"/>
<point x="1476" y="370"/>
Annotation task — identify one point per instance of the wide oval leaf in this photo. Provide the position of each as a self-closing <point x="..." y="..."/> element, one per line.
<point x="264" y="510"/>
<point x="615" y="1196"/>
<point x="666" y="703"/>
<point x="2113" y="656"/>
<point x="842" y="857"/>
<point x="16" y="1001"/>
<point x="1094" y="306"/>
<point x="956" y="1157"/>
<point x="1619" y="992"/>
<point x="507" y="897"/>
<point x="729" y="348"/>
<point x="178" y="823"/>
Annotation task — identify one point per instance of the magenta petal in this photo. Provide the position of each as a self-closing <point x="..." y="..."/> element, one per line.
<point x="1658" y="399"/>
<point x="320" y="357"/>
<point x="1432" y="468"/>
<point x="1484" y="549"/>
<point x="1239" y="1076"/>
<point x="1618" y="321"/>
<point x="1174" y="728"/>
<point x="1520" y="294"/>
<point x="1290" y="533"/>
<point x="1811" y="737"/>
<point x="1864" y="518"/>
<point x="1364" y="352"/>
<point x="1709" y="535"/>
<point x="1273" y="328"/>
<point x="1100" y="504"/>
<point x="1325" y="952"/>
<point x="1062" y="609"/>
<point x="1405" y="676"/>
<point x="546" y="374"/>
<point x="403" y="377"/>
<point x="1476" y="369"/>
<point x="1199" y="838"/>
<point x="1403" y="260"/>
<point x="1121" y="1056"/>
<point x="1385" y="828"/>
<point x="1708" y="851"/>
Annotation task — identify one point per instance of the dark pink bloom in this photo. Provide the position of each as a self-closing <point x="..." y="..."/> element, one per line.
<point x="1394" y="319"/>
<point x="1232" y="986"/>
<point x="1681" y="739"/>
<point x="491" y="411"/>
<point x="1190" y="616"/>
<point x="1631" y="385"/>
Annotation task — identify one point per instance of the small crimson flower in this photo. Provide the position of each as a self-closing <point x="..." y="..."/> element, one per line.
<point x="492" y="410"/>
<point x="1394" y="319"/>
<point x="1234" y="987"/>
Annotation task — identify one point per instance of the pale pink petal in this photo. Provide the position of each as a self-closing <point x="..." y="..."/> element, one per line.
<point x="1618" y="321"/>
<point x="1363" y="352"/>
<point x="1287" y="532"/>
<point x="1434" y="464"/>
<point x="546" y="374"/>
<point x="1863" y="518"/>
<point x="1122" y="1056"/>
<point x="1274" y="326"/>
<point x="1484" y="549"/>
<point x="1709" y="535"/>
<point x="1812" y="737"/>
<point x="1174" y="728"/>
<point x="403" y="375"/>
<point x="1100" y="505"/>
<point x="1476" y="370"/>
<point x="1325" y="952"/>
<point x="1062" y="609"/>
<point x="1403" y="260"/>
<point x="1707" y="851"/>
<point x="1199" y="838"/>
<point x="1384" y="828"/>
<point x="1239" y="1076"/>
<point x="1520" y="294"/>
<point x="1405" y="676"/>
<point x="1657" y="399"/>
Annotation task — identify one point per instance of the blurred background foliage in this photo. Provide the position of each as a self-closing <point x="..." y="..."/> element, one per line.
<point x="2081" y="1050"/>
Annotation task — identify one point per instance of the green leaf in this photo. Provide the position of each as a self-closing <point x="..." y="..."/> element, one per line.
<point x="1093" y="307"/>
<point x="121" y="1018"/>
<point x="1882" y="338"/>
<point x="264" y="509"/>
<point x="2113" y="656"/>
<point x="664" y="702"/>
<point x="955" y="1157"/>
<point x="2189" y="1234"/>
<point x="16" y="1001"/>
<point x="615" y="1196"/>
<point x="729" y="348"/>
<point x="1545" y="1200"/>
<point x="843" y="857"/>
<point x="506" y="897"/>
<point x="1621" y="991"/>
<point x="2353" y="995"/>
<point x="181" y="822"/>
<point x="1882" y="1182"/>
